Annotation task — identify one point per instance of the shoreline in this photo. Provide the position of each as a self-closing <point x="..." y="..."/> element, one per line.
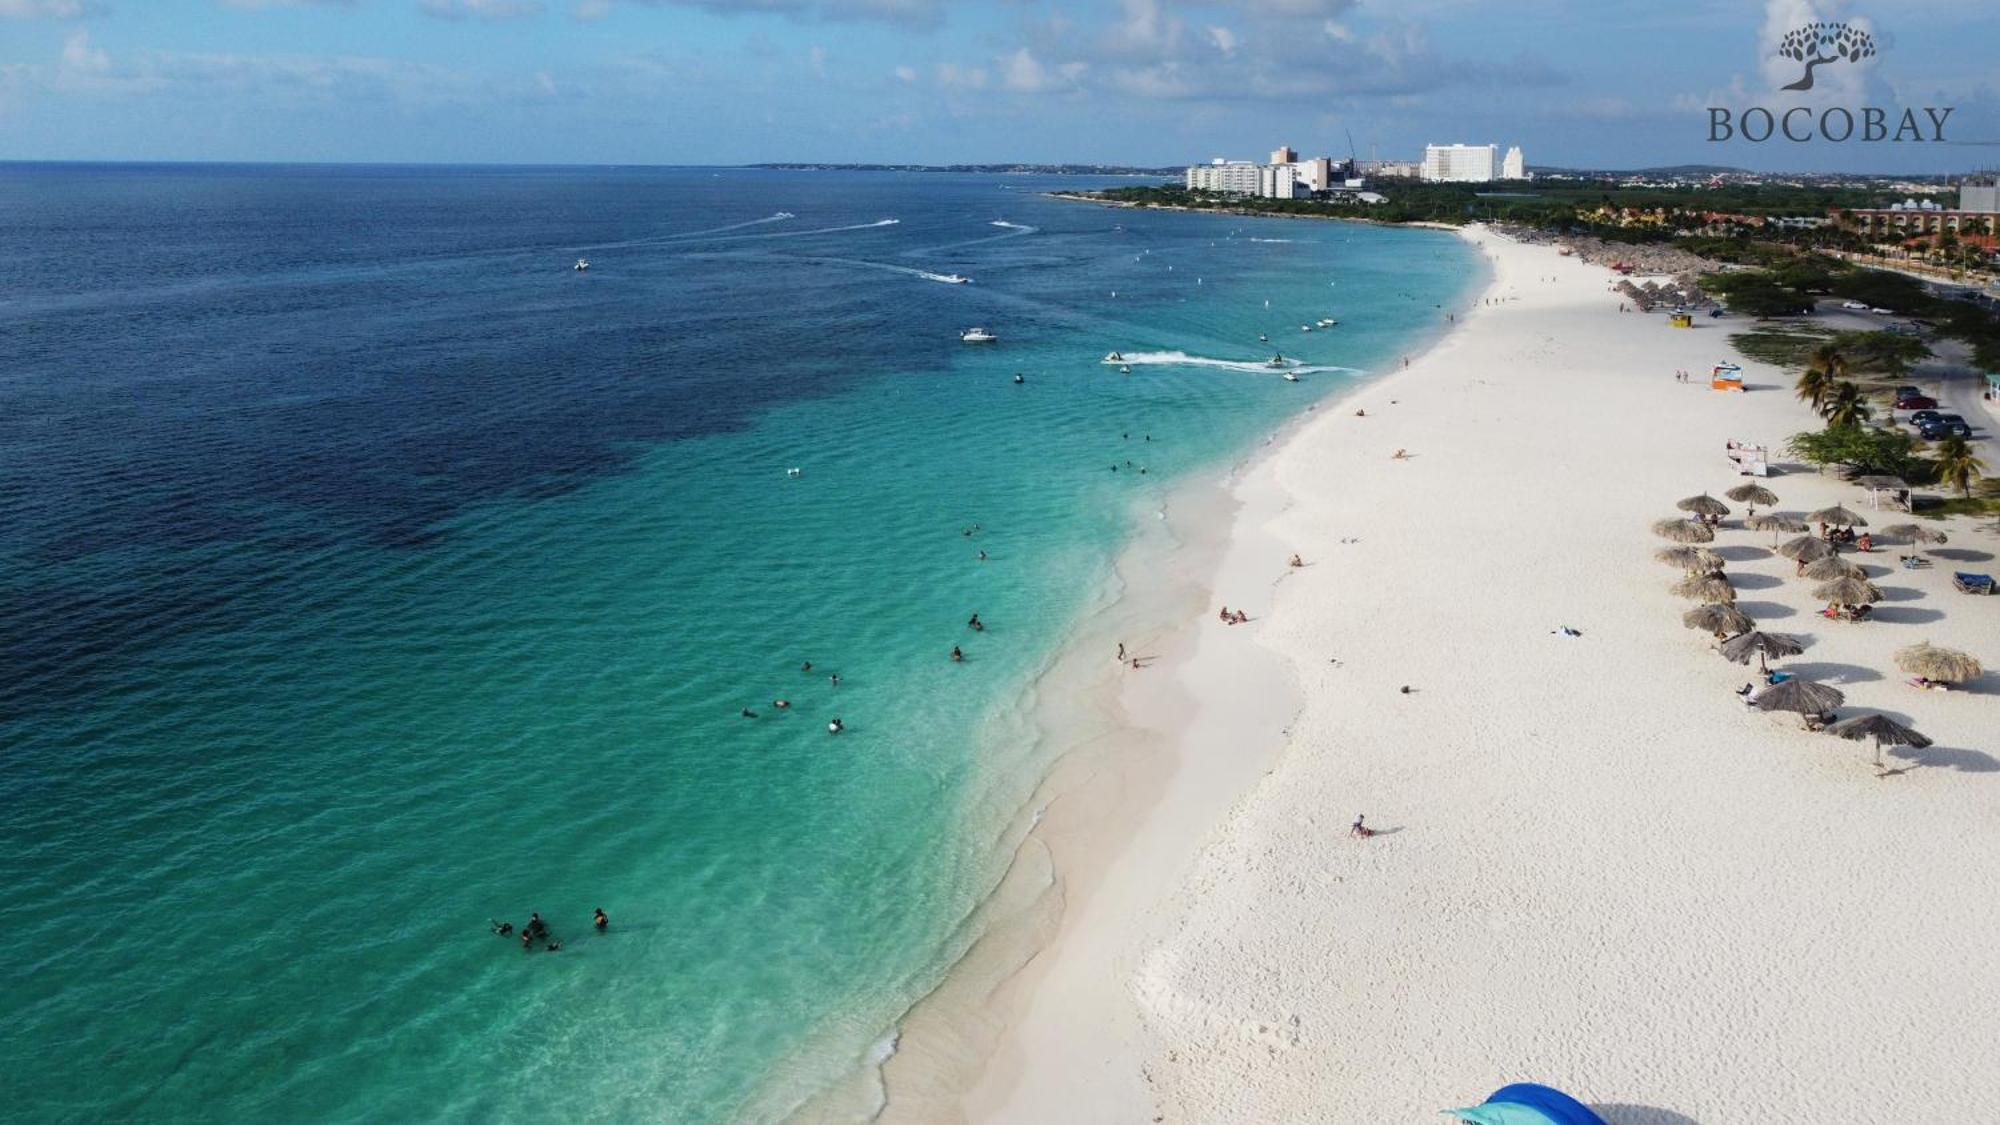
<point x="1108" y="824"/>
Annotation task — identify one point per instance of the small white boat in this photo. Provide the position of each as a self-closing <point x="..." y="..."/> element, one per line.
<point x="1291" y="376"/>
<point x="1327" y="322"/>
<point x="1123" y="370"/>
<point x="582" y="264"/>
<point x="1114" y="357"/>
<point x="1305" y="328"/>
<point x="1263" y="339"/>
<point x="977" y="336"/>
<point x="948" y="278"/>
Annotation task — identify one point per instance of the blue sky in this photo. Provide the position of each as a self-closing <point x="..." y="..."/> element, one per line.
<point x="1616" y="83"/>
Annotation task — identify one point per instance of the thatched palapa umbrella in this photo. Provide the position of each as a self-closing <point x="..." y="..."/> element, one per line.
<point x="1706" y="588"/>
<point x="1933" y="663"/>
<point x="1915" y="534"/>
<point x="1718" y="618"/>
<point x="1703" y="505"/>
<point x="1740" y="648"/>
<point x="1775" y="522"/>
<point x="1752" y="494"/>
<point x="1683" y="531"/>
<point x="1848" y="591"/>
<point x="1806" y="548"/>
<point x="1832" y="567"/>
<point x="1695" y="560"/>
<point x="1882" y="730"/>
<point x="1837" y="516"/>
<point x="1802" y="696"/>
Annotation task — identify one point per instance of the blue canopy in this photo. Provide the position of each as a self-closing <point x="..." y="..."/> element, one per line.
<point x="1525" y="1103"/>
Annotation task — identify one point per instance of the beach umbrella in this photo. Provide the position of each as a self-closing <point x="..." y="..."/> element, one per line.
<point x="1719" y="618"/>
<point x="1775" y="522"/>
<point x="1832" y="567"/>
<point x="1703" y="505"/>
<point x="1848" y="591"/>
<point x="1527" y="1103"/>
<point x="1879" y="481"/>
<point x="1883" y="730"/>
<point x="1934" y="663"/>
<point x="1694" y="559"/>
<point x="1802" y="696"/>
<point x="1915" y="533"/>
<point x="1683" y="531"/>
<point x="1752" y="494"/>
<point x="1739" y="649"/>
<point x="1706" y="588"/>
<point x="1837" y="516"/>
<point x="1806" y="548"/>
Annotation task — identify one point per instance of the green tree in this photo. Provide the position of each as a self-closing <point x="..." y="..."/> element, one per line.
<point x="1957" y="465"/>
<point x="1824" y="368"/>
<point x="1844" y="405"/>
<point x="1869" y="448"/>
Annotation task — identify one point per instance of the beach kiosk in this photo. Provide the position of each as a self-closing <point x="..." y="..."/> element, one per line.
<point x="1725" y="377"/>
<point x="1681" y="320"/>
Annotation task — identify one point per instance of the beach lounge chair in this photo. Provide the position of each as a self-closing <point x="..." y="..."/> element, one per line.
<point x="1915" y="562"/>
<point x="1969" y="583"/>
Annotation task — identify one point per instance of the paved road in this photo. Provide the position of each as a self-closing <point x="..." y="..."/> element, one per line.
<point x="1947" y="376"/>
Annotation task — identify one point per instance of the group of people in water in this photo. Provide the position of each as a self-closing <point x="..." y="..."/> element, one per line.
<point x="536" y="931"/>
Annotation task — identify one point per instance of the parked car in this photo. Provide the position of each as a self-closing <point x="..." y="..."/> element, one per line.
<point x="1855" y="305"/>
<point x="1915" y="402"/>
<point x="1883" y="311"/>
<point x="1924" y="416"/>
<point x="1901" y="391"/>
<point x="1948" y="425"/>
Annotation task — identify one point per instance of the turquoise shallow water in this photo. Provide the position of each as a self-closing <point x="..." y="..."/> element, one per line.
<point x="389" y="578"/>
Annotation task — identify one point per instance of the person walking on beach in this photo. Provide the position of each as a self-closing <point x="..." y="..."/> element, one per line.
<point x="1121" y="652"/>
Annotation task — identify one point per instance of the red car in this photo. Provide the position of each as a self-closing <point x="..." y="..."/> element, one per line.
<point x="1915" y="402"/>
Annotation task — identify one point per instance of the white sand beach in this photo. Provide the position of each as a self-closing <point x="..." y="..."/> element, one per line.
<point x="1597" y="868"/>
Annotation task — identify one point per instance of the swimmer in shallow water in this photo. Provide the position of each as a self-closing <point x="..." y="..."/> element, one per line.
<point x="956" y="654"/>
<point x="600" y="919"/>
<point x="835" y="727"/>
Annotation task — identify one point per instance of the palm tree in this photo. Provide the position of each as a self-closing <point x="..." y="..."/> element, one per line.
<point x="1844" y="405"/>
<point x="1956" y="464"/>
<point x="1824" y="367"/>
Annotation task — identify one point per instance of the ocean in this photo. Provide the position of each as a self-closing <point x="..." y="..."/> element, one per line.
<point x="368" y="575"/>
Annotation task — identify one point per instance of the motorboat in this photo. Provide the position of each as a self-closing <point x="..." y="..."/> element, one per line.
<point x="1291" y="376"/>
<point x="1276" y="360"/>
<point x="977" y="336"/>
<point x="1263" y="339"/>
<point x="1124" y="370"/>
<point x="1305" y="328"/>
<point x="582" y="264"/>
<point x="948" y="278"/>
<point x="1327" y="322"/>
<point x="1114" y="357"/>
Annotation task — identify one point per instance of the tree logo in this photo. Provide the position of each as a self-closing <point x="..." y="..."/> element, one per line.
<point x="1817" y="44"/>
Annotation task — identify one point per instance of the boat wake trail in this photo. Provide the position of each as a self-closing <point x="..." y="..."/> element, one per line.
<point x="1022" y="227"/>
<point x="1012" y="230"/>
<point x="1248" y="367"/>
<point x="1287" y="240"/>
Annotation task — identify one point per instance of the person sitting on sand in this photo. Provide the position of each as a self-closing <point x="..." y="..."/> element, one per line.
<point x="1359" y="829"/>
<point x="1296" y="562"/>
<point x="1225" y="615"/>
<point x="1865" y="543"/>
<point x="1400" y="455"/>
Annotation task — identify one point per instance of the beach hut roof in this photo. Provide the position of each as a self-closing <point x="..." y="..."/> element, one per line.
<point x="1777" y="521"/>
<point x="1934" y="663"/>
<point x="1806" y="548"/>
<point x="1690" y="558"/>
<point x="1848" y="591"/>
<point x="1832" y="567"/>
<point x="1683" y="531"/>
<point x="1914" y="532"/>
<point x="1752" y="494"/>
<point x="1743" y="646"/>
<point x="1879" y="482"/>
<point x="1837" y="516"/>
<point x="1804" y="696"/>
<point x="1706" y="588"/>
<point x="1703" y="505"/>
<point x="1717" y="617"/>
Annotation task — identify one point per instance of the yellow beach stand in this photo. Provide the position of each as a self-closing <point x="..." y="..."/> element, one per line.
<point x="1681" y="320"/>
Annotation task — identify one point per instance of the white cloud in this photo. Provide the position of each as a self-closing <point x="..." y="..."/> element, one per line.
<point x="47" y="9"/>
<point x="1023" y="73"/>
<point x="1223" y="38"/>
<point x="479" y="9"/>
<point x="906" y="73"/>
<point x="816" y="59"/>
<point x="956" y="77"/>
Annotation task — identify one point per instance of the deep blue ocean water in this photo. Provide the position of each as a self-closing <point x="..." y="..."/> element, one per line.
<point x="368" y="574"/>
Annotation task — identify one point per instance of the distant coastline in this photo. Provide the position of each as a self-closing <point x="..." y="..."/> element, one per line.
<point x="986" y="169"/>
<point x="1250" y="212"/>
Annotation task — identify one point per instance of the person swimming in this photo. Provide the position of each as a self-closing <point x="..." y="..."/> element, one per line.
<point x="956" y="654"/>
<point x="806" y="667"/>
<point x="975" y="623"/>
<point x="982" y="556"/>
<point x="536" y="928"/>
<point x="504" y="929"/>
<point x="749" y="714"/>
<point x="600" y="919"/>
<point x="835" y="727"/>
<point x="834" y="679"/>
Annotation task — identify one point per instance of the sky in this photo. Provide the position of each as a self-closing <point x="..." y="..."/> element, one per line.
<point x="1613" y="84"/>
